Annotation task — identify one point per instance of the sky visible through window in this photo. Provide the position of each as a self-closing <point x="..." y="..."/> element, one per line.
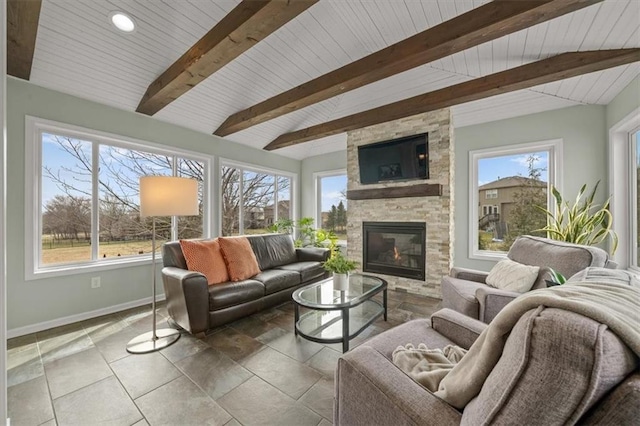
<point x="333" y="188"/>
<point x="494" y="168"/>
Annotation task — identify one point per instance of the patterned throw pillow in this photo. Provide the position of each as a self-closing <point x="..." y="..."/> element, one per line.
<point x="513" y="276"/>
<point x="239" y="257"/>
<point x="205" y="257"/>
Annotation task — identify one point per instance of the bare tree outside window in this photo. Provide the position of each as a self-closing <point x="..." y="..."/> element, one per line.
<point x="67" y="175"/>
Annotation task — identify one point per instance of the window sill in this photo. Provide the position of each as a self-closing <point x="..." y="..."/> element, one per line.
<point x="494" y="256"/>
<point x="89" y="267"/>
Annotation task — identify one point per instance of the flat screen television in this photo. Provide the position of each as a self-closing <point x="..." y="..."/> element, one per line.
<point x="398" y="159"/>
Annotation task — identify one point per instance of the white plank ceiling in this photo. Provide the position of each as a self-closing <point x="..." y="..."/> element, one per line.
<point x="78" y="52"/>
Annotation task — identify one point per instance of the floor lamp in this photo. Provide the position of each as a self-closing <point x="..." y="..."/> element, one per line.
<point x="162" y="196"/>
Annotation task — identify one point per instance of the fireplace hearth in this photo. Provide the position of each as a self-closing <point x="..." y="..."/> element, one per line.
<point x="394" y="248"/>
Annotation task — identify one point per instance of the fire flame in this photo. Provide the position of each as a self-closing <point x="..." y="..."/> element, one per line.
<point x="396" y="255"/>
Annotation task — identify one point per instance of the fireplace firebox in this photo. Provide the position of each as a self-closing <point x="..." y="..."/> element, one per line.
<point x="394" y="248"/>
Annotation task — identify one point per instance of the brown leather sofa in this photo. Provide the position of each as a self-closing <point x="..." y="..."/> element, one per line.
<point x="197" y="307"/>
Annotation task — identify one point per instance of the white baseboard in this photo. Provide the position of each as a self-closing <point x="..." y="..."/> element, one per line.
<point x="34" y="328"/>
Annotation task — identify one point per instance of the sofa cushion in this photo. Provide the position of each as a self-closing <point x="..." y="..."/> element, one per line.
<point x="460" y="295"/>
<point x="566" y="258"/>
<point x="275" y="280"/>
<point x="273" y="250"/>
<point x="512" y="276"/>
<point x="205" y="257"/>
<point x="239" y="257"/>
<point x="553" y="359"/>
<point x="234" y="293"/>
<point x="619" y="407"/>
<point x="307" y="270"/>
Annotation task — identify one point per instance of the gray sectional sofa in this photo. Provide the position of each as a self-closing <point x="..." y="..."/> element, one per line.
<point x="197" y="307"/>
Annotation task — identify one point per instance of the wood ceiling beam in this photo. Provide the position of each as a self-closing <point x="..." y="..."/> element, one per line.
<point x="485" y="23"/>
<point x="560" y="67"/>
<point x="22" y="29"/>
<point x="247" y="24"/>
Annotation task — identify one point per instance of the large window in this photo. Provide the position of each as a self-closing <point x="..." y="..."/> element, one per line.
<point x="635" y="195"/>
<point x="332" y="202"/>
<point x="85" y="198"/>
<point x="508" y="185"/>
<point x="624" y="187"/>
<point x="252" y="199"/>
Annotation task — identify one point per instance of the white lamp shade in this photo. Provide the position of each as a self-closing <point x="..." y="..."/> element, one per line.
<point x="168" y="196"/>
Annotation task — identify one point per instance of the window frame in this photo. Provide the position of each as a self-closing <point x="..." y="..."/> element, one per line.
<point x="552" y="146"/>
<point x="248" y="167"/>
<point x="623" y="189"/>
<point x="317" y="183"/>
<point x="34" y="128"/>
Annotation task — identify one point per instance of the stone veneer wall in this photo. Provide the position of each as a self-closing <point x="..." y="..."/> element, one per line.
<point x="437" y="212"/>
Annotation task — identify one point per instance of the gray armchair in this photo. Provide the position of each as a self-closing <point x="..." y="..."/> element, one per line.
<point x="557" y="367"/>
<point x="466" y="291"/>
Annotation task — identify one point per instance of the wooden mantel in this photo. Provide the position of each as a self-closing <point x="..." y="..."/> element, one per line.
<point x="421" y="190"/>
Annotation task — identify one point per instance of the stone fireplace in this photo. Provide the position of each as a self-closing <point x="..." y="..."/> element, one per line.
<point x="394" y="248"/>
<point x="410" y="261"/>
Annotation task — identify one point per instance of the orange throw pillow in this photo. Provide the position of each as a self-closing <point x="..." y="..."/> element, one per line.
<point x="239" y="257"/>
<point x="205" y="257"/>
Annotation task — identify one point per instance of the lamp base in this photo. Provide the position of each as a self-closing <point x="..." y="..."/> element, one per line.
<point x="145" y="343"/>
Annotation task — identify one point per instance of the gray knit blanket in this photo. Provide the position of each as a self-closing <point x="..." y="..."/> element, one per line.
<point x="458" y="379"/>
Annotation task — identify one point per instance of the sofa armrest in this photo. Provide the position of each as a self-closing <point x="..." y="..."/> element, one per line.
<point x="371" y="390"/>
<point x="492" y="300"/>
<point x="312" y="254"/>
<point x="469" y="274"/>
<point x="460" y="329"/>
<point x="187" y="295"/>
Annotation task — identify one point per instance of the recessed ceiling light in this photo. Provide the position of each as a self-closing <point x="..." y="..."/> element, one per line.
<point x="122" y="21"/>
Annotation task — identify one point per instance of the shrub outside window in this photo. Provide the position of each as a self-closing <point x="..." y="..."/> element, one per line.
<point x="516" y="179"/>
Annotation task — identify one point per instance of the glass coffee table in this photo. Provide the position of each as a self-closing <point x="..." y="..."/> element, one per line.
<point x="338" y="316"/>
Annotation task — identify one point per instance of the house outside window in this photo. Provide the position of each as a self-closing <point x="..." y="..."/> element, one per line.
<point x="253" y="199"/>
<point x="83" y="193"/>
<point x="490" y="193"/>
<point x="516" y="179"/>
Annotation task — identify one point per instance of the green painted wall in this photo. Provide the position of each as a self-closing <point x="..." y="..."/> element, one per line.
<point x="625" y="102"/>
<point x="319" y="163"/>
<point x="584" y="134"/>
<point x="32" y="302"/>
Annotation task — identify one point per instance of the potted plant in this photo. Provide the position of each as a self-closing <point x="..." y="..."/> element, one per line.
<point x="340" y="266"/>
<point x="584" y="222"/>
<point x="556" y="278"/>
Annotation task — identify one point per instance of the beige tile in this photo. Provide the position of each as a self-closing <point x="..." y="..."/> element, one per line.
<point x="23" y="364"/>
<point x="291" y="377"/>
<point x="232" y="422"/>
<point x="325" y="361"/>
<point x="186" y="345"/>
<point x="142" y="373"/>
<point x="251" y="326"/>
<point x="114" y="346"/>
<point x="214" y="372"/>
<point x="28" y="403"/>
<point x="181" y="402"/>
<point x="325" y="422"/>
<point x="104" y="402"/>
<point x="17" y="342"/>
<point x="234" y="344"/>
<point x="76" y="371"/>
<point x="62" y="341"/>
<point x="293" y="346"/>
<point x="256" y="402"/>
<point x="320" y="398"/>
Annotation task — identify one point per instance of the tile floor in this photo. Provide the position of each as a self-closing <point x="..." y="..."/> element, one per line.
<point x="252" y="371"/>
